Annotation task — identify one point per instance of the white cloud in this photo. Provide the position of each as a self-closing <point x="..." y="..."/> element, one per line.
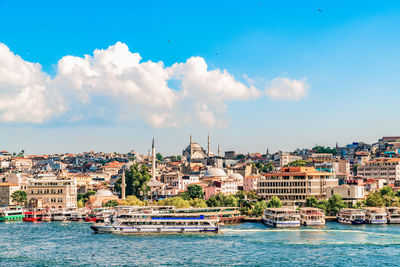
<point x="114" y="82"/>
<point x="285" y="88"/>
<point x="25" y="92"/>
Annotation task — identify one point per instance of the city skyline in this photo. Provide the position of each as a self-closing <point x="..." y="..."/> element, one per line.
<point x="254" y="75"/>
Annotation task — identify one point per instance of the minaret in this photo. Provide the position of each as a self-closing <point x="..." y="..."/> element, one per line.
<point x="219" y="155"/>
<point x="123" y="184"/>
<point x="208" y="146"/>
<point x="190" y="138"/>
<point x="153" y="161"/>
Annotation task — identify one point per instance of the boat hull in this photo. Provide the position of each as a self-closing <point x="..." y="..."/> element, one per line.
<point x="343" y="221"/>
<point x="313" y="223"/>
<point x="377" y="221"/>
<point x="99" y="229"/>
<point x="284" y="224"/>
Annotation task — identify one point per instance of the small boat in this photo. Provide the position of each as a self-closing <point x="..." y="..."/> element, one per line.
<point x="312" y="217"/>
<point x="393" y="215"/>
<point x="61" y="215"/>
<point x="135" y="223"/>
<point x="281" y="217"/>
<point x="33" y="216"/>
<point x="11" y="213"/>
<point x="375" y="215"/>
<point x="351" y="216"/>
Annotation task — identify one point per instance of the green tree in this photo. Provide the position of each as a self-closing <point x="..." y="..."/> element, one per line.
<point x="179" y="157"/>
<point x="359" y="204"/>
<point x="336" y="203"/>
<point x="213" y="202"/>
<point x="312" y="202"/>
<point x="195" y="191"/>
<point x="177" y="202"/>
<point x="321" y="149"/>
<point x="275" y="202"/>
<point x="80" y="204"/>
<point x="240" y="156"/>
<point x="231" y="201"/>
<point x="324" y="205"/>
<point x="21" y="153"/>
<point x="137" y="177"/>
<point x="132" y="201"/>
<point x="19" y="197"/>
<point x="259" y="208"/>
<point x="198" y="203"/>
<point x="159" y="157"/>
<point x="375" y="199"/>
<point x="387" y="191"/>
<point x="111" y="203"/>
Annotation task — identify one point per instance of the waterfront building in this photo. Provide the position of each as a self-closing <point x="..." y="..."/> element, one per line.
<point x="100" y="198"/>
<point x="293" y="185"/>
<point x="6" y="190"/>
<point x="250" y="183"/>
<point x="386" y="168"/>
<point x="320" y="157"/>
<point x="350" y="193"/>
<point x="52" y="193"/>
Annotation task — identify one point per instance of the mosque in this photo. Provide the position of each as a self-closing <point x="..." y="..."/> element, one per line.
<point x="194" y="151"/>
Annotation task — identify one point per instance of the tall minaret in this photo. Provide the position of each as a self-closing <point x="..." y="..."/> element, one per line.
<point x="208" y="146"/>
<point x="219" y="155"/>
<point x="191" y="138"/>
<point x="153" y="161"/>
<point x="123" y="184"/>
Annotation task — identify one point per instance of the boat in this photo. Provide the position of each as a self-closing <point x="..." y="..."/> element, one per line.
<point x="11" y="213"/>
<point x="33" y="216"/>
<point x="78" y="215"/>
<point x="155" y="222"/>
<point x="393" y="214"/>
<point x="375" y="215"/>
<point x="312" y="217"/>
<point x="61" y="215"/>
<point x="281" y="217"/>
<point x="226" y="215"/>
<point x="351" y="216"/>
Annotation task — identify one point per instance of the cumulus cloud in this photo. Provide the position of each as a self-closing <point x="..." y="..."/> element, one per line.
<point x="285" y="88"/>
<point x="115" y="82"/>
<point x="25" y="91"/>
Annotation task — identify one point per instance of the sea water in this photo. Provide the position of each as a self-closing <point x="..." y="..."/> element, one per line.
<point x="250" y="244"/>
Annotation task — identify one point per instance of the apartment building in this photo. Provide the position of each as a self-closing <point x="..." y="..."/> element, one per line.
<point x="384" y="168"/>
<point x="293" y="185"/>
<point x="350" y="193"/>
<point x="52" y="193"/>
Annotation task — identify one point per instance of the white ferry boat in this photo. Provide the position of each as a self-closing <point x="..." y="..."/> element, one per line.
<point x="281" y="217"/>
<point x="375" y="215"/>
<point x="61" y="215"/>
<point x="11" y="213"/>
<point x="393" y="214"/>
<point x="312" y="217"/>
<point x="138" y="222"/>
<point x="351" y="216"/>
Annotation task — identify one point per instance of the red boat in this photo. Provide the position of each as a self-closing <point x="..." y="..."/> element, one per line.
<point x="33" y="216"/>
<point x="90" y="218"/>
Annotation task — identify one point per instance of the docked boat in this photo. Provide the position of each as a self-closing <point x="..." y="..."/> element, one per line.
<point x="11" y="213"/>
<point x="351" y="216"/>
<point x="33" y="216"/>
<point x="77" y="215"/>
<point x="281" y="217"/>
<point x="375" y="215"/>
<point x="393" y="214"/>
<point x="138" y="222"/>
<point x="61" y="215"/>
<point x="226" y="215"/>
<point x="312" y="217"/>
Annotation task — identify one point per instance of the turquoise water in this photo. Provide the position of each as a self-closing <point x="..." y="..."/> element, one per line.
<point x="74" y="244"/>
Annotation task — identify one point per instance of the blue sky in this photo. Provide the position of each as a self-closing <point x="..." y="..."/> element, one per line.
<point x="345" y="56"/>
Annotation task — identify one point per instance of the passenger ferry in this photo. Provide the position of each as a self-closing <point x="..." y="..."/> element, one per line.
<point x="226" y="215"/>
<point x="312" y="217"/>
<point x="138" y="222"/>
<point x="61" y="215"/>
<point x="351" y="216"/>
<point x="33" y="216"/>
<point x="11" y="213"/>
<point x="393" y="214"/>
<point x="281" y="217"/>
<point x="375" y="215"/>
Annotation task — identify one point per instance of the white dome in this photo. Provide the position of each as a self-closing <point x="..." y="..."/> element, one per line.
<point x="215" y="172"/>
<point x="236" y="176"/>
<point x="104" y="193"/>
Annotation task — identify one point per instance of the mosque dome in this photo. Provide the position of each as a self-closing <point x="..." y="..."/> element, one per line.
<point x="236" y="176"/>
<point x="103" y="193"/>
<point x="215" y="172"/>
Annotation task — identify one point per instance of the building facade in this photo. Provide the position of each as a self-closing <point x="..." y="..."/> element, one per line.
<point x="54" y="193"/>
<point x="293" y="185"/>
<point x="386" y="168"/>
